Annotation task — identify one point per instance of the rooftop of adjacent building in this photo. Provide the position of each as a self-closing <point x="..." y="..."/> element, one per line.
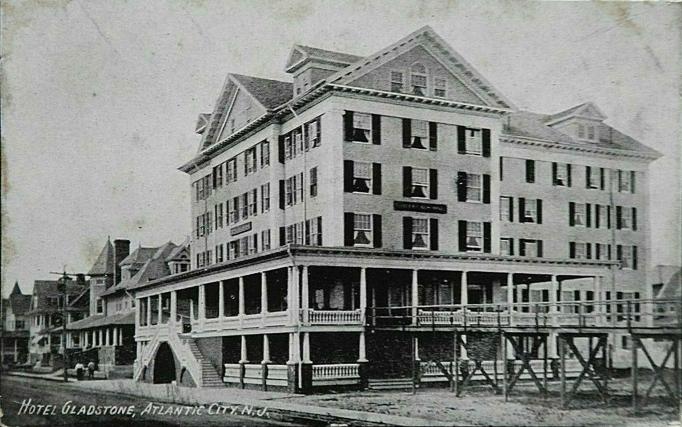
<point x="17" y="302"/>
<point x="43" y="290"/>
<point x="667" y="281"/>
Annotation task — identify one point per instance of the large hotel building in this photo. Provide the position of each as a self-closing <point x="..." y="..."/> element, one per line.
<point x="336" y="216"/>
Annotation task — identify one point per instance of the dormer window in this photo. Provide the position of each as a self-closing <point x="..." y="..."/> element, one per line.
<point x="397" y="81"/>
<point x="590" y="133"/>
<point x="581" y="131"/>
<point x="418" y="79"/>
<point x="440" y="89"/>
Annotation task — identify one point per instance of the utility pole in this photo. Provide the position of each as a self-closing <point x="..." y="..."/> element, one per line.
<point x="65" y="277"/>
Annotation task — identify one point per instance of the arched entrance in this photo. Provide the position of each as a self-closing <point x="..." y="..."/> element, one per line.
<point x="164" y="365"/>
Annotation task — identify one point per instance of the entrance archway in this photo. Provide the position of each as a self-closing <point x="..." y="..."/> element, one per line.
<point x="164" y="365"/>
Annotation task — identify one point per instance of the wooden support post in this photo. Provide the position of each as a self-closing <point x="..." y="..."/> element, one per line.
<point x="677" y="369"/>
<point x="414" y="364"/>
<point x="634" y="372"/>
<point x="562" y="356"/>
<point x="504" y="366"/>
<point x="455" y="373"/>
<point x="544" y="365"/>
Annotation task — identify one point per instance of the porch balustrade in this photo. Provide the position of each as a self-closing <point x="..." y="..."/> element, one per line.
<point x="336" y="374"/>
<point x="331" y="317"/>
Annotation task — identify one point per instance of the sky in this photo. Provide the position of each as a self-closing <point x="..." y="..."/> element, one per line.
<point x="100" y="98"/>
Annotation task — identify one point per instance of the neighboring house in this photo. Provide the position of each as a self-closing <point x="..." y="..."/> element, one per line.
<point x="666" y="286"/>
<point x="107" y="335"/>
<point x="381" y="190"/>
<point x="46" y="311"/>
<point x="15" y="327"/>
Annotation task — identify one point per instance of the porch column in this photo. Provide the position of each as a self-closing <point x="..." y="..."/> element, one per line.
<point x="554" y="317"/>
<point x="363" y="292"/>
<point x="202" y="303"/>
<point x="415" y="295"/>
<point x="101" y="338"/>
<point x="305" y="300"/>
<point x="294" y="348"/>
<point x="416" y="349"/>
<point x="362" y="353"/>
<point x="463" y="289"/>
<point x="221" y="300"/>
<point x="243" y="358"/>
<point x="107" y="337"/>
<point x="294" y="295"/>
<point x="306" y="348"/>
<point x="263" y="297"/>
<point x="149" y="310"/>
<point x="174" y="307"/>
<point x="266" y="349"/>
<point x="510" y="297"/>
<point x="137" y="312"/>
<point x="597" y="299"/>
<point x="242" y="303"/>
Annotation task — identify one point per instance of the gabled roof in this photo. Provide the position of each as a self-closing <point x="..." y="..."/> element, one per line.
<point x="138" y="256"/>
<point x="154" y="267"/>
<point x="44" y="289"/>
<point x="586" y="110"/>
<point x="300" y="53"/>
<point x="16" y="290"/>
<point x="105" y="261"/>
<point x="269" y="93"/>
<point x="177" y="253"/>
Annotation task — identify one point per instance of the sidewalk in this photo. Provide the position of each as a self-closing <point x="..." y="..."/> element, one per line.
<point x="286" y="410"/>
<point x="57" y="376"/>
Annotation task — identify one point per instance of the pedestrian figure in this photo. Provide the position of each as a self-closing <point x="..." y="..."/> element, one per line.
<point x="79" y="371"/>
<point x="91" y="370"/>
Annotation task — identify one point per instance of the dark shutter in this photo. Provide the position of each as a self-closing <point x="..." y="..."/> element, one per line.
<point x="407" y="133"/>
<point x="538" y="208"/>
<point x="487" y="247"/>
<point x="588" y="215"/>
<point x="282" y="236"/>
<point x="619" y="252"/>
<point x="486" y="188"/>
<point x="307" y="232"/>
<point x="597" y="251"/>
<point x="601" y="178"/>
<point x="462" y="235"/>
<point x="588" y="249"/>
<point x="568" y="174"/>
<point x="632" y="181"/>
<point x="348" y="176"/>
<point x="461" y="186"/>
<point x="376" y="129"/>
<point x="407" y="181"/>
<point x="522" y="209"/>
<point x="609" y="254"/>
<point x="376" y="178"/>
<point x="461" y="140"/>
<point x="588" y="174"/>
<point x="280" y="149"/>
<point x="319" y="231"/>
<point x="539" y="246"/>
<point x="522" y="247"/>
<point x="281" y="195"/>
<point x="571" y="250"/>
<point x="634" y="219"/>
<point x="554" y="168"/>
<point x="433" y="184"/>
<point x="501" y="168"/>
<point x="486" y="142"/>
<point x="407" y="232"/>
<point x="530" y="171"/>
<point x="433" y="233"/>
<point x="608" y="217"/>
<point x="433" y="136"/>
<point x="511" y="209"/>
<point x="511" y="246"/>
<point x="348" y="228"/>
<point x="597" y="213"/>
<point x="348" y="126"/>
<point x="634" y="257"/>
<point x="376" y="230"/>
<point x="571" y="213"/>
<point x="619" y="217"/>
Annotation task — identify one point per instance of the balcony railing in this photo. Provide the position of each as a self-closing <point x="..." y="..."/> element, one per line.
<point x="331" y="317"/>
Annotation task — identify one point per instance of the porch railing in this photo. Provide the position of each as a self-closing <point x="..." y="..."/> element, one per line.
<point x="331" y="317"/>
<point x="336" y="374"/>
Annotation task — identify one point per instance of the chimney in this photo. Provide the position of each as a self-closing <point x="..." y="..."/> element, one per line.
<point x="80" y="279"/>
<point x="121" y="250"/>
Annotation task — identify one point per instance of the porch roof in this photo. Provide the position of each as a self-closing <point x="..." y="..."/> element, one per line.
<point x="100" y="320"/>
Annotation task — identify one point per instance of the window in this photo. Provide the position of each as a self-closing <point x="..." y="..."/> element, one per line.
<point x="245" y="205"/>
<point x="218" y="214"/>
<point x="287" y="147"/>
<point x="474" y="236"/>
<point x="590" y="132"/>
<point x="362" y="127"/>
<point x="531" y="208"/>
<point x="561" y="174"/>
<point x="288" y="192"/>
<point x="313" y="182"/>
<point x="313" y="231"/>
<point x="264" y="154"/>
<point x="297" y="143"/>
<point x="506" y="209"/>
<point x="603" y="216"/>
<point x="265" y="197"/>
<point x="530" y="248"/>
<point x="626" y="182"/>
<point x="592" y="179"/>
<point x="253" y="202"/>
<point x="265" y="240"/>
<point x="418" y="79"/>
<point x="579" y="214"/>
<point x="579" y="251"/>
<point x="244" y="246"/>
<point x="100" y="305"/>
<point x="234" y="249"/>
<point x="420" y="183"/>
<point x="362" y="230"/>
<point x="625" y="217"/>
<point x="231" y="175"/>
<point x="506" y="246"/>
<point x="253" y="243"/>
<point x="362" y="177"/>
<point x="420" y="233"/>
<point x="627" y="255"/>
<point x="250" y="165"/>
<point x="420" y="134"/>
<point x="473" y="141"/>
<point x="581" y="131"/>
<point x="298" y="188"/>
<point x="397" y="81"/>
<point x="530" y="171"/>
<point x="219" y="253"/>
<point x="218" y="176"/>
<point x="313" y="136"/>
<point x="440" y="87"/>
<point x="473" y="188"/>
<point x="234" y="211"/>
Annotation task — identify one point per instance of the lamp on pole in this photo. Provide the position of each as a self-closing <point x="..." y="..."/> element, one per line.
<point x="62" y="288"/>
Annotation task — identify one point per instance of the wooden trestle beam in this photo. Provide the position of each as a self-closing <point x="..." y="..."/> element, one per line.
<point x="674" y="392"/>
<point x="589" y="367"/>
<point x="516" y="340"/>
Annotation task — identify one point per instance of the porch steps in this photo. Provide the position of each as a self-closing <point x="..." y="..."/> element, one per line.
<point x="209" y="376"/>
<point x="389" y="383"/>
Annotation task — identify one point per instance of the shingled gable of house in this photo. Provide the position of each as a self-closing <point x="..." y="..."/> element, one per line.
<point x="104" y="264"/>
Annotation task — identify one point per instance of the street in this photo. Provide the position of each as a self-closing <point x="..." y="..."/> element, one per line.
<point x="127" y="410"/>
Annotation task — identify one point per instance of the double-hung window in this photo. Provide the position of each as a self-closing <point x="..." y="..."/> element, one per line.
<point x="473" y="187"/>
<point x="397" y="81"/>
<point x="231" y="170"/>
<point x="264" y="154"/>
<point x="265" y="197"/>
<point x="288" y="147"/>
<point x="362" y="230"/>
<point x="250" y="165"/>
<point x="530" y="210"/>
<point x="473" y="141"/>
<point x="580" y="251"/>
<point x="530" y="248"/>
<point x="313" y="182"/>
<point x="420" y="183"/>
<point x="420" y="134"/>
<point x="625" y="218"/>
<point x="298" y="188"/>
<point x="253" y="202"/>
<point x="362" y="127"/>
<point x="420" y="233"/>
<point x="474" y="236"/>
<point x="418" y="79"/>
<point x="265" y="240"/>
<point x="245" y="205"/>
<point x="440" y="87"/>
<point x="625" y="181"/>
<point x="561" y="174"/>
<point x="313" y="136"/>
<point x="506" y="209"/>
<point x="234" y="211"/>
<point x="592" y="177"/>
<point x="289" y="192"/>
<point x="362" y="177"/>
<point x="506" y="246"/>
<point x="579" y="214"/>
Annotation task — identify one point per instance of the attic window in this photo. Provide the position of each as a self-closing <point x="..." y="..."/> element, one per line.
<point x="440" y="87"/>
<point x="397" y="82"/>
<point x="418" y="79"/>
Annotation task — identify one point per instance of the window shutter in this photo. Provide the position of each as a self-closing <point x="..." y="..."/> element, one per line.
<point x="307" y="232"/>
<point x="522" y="209"/>
<point x="588" y="215"/>
<point x="539" y="245"/>
<point x="433" y="136"/>
<point x="501" y="168"/>
<point x="568" y="173"/>
<point x="620" y="179"/>
<point x="407" y="232"/>
<point x="634" y="257"/>
<point x="538" y="204"/>
<point x="522" y="247"/>
<point x="376" y="129"/>
<point x="407" y="181"/>
<point x="588" y="249"/>
<point x="376" y="229"/>
<point x="348" y="126"/>
<point x="461" y="140"/>
<point x="462" y="235"/>
<point x="571" y="213"/>
<point x="282" y="236"/>
<point x="407" y="133"/>
<point x="601" y="178"/>
<point x="619" y="217"/>
<point x="609" y="255"/>
<point x="511" y="246"/>
<point x="255" y="242"/>
<point x="487" y="247"/>
<point x="571" y="250"/>
<point x="554" y="167"/>
<point x="348" y="228"/>
<point x="632" y="181"/>
<point x="280" y="150"/>
<point x="597" y="212"/>
<point x="619" y="252"/>
<point x="634" y="219"/>
<point x="588" y="174"/>
<point x="486" y="188"/>
<point x="597" y="251"/>
<point x="319" y="231"/>
<point x="461" y="186"/>
<point x="511" y="209"/>
<point x="376" y="178"/>
<point x="530" y="171"/>
<point x="433" y="184"/>
<point x="281" y="194"/>
<point x="433" y="233"/>
<point x="486" y="143"/>
<point x="608" y="217"/>
<point x="348" y="176"/>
